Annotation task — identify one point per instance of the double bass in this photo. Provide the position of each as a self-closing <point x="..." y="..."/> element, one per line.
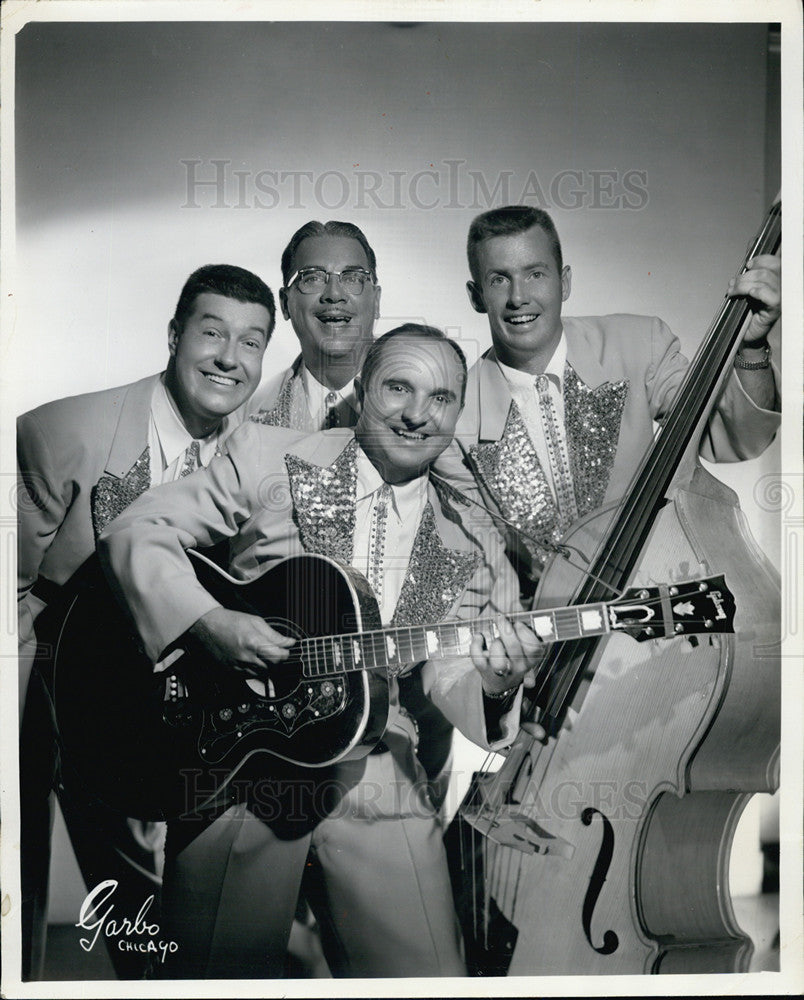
<point x="603" y="847"/>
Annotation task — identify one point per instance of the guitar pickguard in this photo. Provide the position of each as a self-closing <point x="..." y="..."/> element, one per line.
<point x="313" y="700"/>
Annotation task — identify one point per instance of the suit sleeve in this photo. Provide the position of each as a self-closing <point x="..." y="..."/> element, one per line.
<point x="737" y="428"/>
<point x="453" y="684"/>
<point x="144" y="549"/>
<point x="43" y="498"/>
<point x="44" y="495"/>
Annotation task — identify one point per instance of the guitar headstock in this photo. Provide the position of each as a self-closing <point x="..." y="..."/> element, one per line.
<point x="695" y="607"/>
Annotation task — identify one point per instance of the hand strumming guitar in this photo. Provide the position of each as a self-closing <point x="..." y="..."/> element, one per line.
<point x="239" y="640"/>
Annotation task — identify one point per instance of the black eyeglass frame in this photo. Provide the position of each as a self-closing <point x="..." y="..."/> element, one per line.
<point x="367" y="276"/>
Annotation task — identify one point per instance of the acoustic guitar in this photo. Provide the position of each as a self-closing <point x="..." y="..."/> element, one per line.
<point x="163" y="743"/>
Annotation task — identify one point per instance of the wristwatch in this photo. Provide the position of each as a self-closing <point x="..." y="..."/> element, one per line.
<point x="753" y="366"/>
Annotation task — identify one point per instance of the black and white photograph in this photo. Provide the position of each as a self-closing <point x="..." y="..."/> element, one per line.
<point x="402" y="472"/>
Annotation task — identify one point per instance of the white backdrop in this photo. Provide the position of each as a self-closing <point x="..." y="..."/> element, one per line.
<point x="144" y="150"/>
<point x="147" y="149"/>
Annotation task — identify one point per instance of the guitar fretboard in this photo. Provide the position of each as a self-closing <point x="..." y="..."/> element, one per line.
<point x="395" y="648"/>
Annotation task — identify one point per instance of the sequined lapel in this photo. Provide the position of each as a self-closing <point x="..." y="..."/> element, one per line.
<point x="324" y="503"/>
<point x="436" y="576"/>
<point x="281" y="414"/>
<point x="511" y="471"/>
<point x="112" y="494"/>
<point x="592" y="419"/>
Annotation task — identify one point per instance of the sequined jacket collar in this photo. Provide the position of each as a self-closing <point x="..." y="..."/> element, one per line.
<point x="290" y="408"/>
<point x="286" y="410"/>
<point x="324" y="513"/>
<point x="127" y="473"/>
<point x="496" y="398"/>
<point x="131" y="433"/>
<point x="505" y="460"/>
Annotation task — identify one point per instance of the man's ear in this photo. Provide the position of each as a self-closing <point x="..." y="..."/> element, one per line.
<point x="359" y="394"/>
<point x="283" y="302"/>
<point x="475" y="296"/>
<point x="566" y="282"/>
<point x="173" y="337"/>
<point x="377" y="293"/>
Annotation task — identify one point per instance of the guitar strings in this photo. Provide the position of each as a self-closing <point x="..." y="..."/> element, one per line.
<point x="374" y="642"/>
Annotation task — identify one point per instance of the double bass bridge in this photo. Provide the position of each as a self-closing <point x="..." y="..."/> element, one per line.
<point x="508" y="826"/>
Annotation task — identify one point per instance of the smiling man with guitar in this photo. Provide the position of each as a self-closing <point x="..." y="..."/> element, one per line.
<point x="364" y="833"/>
<point x="331" y="297"/>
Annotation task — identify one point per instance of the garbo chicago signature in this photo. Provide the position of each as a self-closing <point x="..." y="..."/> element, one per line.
<point x="90" y="918"/>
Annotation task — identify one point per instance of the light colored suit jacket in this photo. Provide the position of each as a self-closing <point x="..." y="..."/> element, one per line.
<point x="622" y="374"/>
<point x="78" y="458"/>
<point x="280" y="493"/>
<point x="282" y="403"/>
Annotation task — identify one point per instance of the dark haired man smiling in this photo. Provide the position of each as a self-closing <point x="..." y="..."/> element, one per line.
<point x="81" y="461"/>
<point x="331" y="296"/>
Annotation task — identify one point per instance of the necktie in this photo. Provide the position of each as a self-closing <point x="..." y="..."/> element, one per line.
<point x="192" y="459"/>
<point x="332" y="418"/>
<point x="379" y="521"/>
<point x="557" y="453"/>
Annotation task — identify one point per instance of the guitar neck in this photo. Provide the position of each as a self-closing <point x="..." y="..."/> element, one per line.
<point x="393" y="649"/>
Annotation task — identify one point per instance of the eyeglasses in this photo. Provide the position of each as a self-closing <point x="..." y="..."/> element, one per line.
<point x="313" y="280"/>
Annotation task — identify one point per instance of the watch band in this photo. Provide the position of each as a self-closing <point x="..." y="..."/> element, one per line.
<point x="752" y="366"/>
<point x="501" y="695"/>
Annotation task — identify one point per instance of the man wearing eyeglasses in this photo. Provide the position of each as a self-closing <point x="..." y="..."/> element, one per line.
<point x="332" y="300"/>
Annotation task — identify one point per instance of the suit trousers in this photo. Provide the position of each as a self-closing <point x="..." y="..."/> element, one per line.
<point x="102" y="840"/>
<point x="373" y="869"/>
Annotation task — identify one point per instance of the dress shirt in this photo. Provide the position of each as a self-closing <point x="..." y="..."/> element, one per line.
<point x="168" y="438"/>
<point x="524" y="394"/>
<point x="316" y="395"/>
<point x="402" y="523"/>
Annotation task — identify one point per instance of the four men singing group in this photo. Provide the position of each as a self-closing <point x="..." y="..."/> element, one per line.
<point x="444" y="488"/>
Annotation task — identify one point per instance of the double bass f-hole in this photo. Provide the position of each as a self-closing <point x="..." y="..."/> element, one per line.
<point x="596" y="881"/>
<point x="625" y="908"/>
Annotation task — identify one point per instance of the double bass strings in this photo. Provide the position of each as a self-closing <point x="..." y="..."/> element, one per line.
<point x="626" y="539"/>
<point x="636" y="513"/>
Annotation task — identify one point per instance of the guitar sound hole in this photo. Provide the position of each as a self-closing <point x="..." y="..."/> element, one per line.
<point x="281" y="679"/>
<point x="285" y="677"/>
